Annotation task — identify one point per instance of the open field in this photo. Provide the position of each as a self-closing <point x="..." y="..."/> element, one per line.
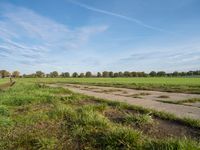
<point x="182" y="85"/>
<point x="4" y="80"/>
<point x="35" y="116"/>
<point x="160" y="101"/>
<point x="29" y="112"/>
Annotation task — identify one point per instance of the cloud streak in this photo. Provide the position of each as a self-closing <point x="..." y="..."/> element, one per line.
<point x="130" y="19"/>
<point x="29" y="38"/>
<point x="171" y="59"/>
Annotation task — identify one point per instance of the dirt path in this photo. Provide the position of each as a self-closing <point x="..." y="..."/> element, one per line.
<point x="146" y="99"/>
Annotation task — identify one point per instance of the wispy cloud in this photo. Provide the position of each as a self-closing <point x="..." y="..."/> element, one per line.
<point x="131" y="19"/>
<point x="27" y="37"/>
<point x="170" y="59"/>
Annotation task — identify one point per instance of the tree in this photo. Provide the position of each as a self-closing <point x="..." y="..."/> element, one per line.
<point x="183" y="74"/>
<point x="111" y="74"/>
<point x="126" y="74"/>
<point x="161" y="73"/>
<point x="54" y="74"/>
<point x="4" y="73"/>
<point x="15" y="74"/>
<point x="88" y="74"/>
<point x="65" y="75"/>
<point x="116" y="74"/>
<point x="48" y="75"/>
<point x="40" y="74"/>
<point x="75" y="74"/>
<point x="29" y="75"/>
<point x="153" y="74"/>
<point x="121" y="74"/>
<point x="140" y="74"/>
<point x="175" y="73"/>
<point x="98" y="74"/>
<point x="134" y="74"/>
<point x="105" y="74"/>
<point x="82" y="75"/>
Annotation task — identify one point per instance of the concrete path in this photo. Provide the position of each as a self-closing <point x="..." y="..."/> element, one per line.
<point x="146" y="99"/>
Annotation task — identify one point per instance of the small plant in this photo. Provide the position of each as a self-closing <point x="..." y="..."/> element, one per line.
<point x="5" y="122"/>
<point x="4" y="111"/>
<point x="46" y="144"/>
<point x="139" y="119"/>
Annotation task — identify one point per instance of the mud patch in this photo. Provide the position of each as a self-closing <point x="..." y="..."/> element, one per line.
<point x="138" y="95"/>
<point x="166" y="128"/>
<point x="195" y="104"/>
<point x="114" y="115"/>
<point x="163" y="96"/>
<point x="89" y="88"/>
<point x="158" y="129"/>
<point x="88" y="102"/>
<point x="107" y="91"/>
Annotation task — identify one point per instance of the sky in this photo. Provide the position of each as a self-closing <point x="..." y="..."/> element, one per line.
<point x="98" y="35"/>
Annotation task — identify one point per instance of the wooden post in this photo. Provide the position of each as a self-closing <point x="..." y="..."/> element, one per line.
<point x="11" y="79"/>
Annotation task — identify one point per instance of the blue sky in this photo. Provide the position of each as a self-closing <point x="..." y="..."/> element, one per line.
<point x="98" y="35"/>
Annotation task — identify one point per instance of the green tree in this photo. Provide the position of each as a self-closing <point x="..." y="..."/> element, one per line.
<point x="127" y="74"/>
<point x="15" y="74"/>
<point x="98" y="74"/>
<point x="116" y="74"/>
<point x="134" y="74"/>
<point x="54" y="74"/>
<point x="105" y="74"/>
<point x="4" y="73"/>
<point x="48" y="75"/>
<point x="40" y="74"/>
<point x="82" y="75"/>
<point x="153" y="74"/>
<point x="121" y="74"/>
<point x="65" y="75"/>
<point x="75" y="74"/>
<point x="161" y="74"/>
<point x="111" y="74"/>
<point x="88" y="74"/>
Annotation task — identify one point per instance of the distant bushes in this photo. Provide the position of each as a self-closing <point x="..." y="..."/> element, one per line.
<point x="104" y="74"/>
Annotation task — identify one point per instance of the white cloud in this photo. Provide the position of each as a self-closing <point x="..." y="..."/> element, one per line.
<point x="181" y="58"/>
<point x="130" y="19"/>
<point x="27" y="37"/>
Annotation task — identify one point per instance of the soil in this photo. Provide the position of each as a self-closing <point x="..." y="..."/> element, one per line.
<point x="159" y="128"/>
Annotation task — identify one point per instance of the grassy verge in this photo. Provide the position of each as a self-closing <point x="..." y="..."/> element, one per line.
<point x="33" y="116"/>
<point x="192" y="100"/>
<point x="161" y="115"/>
<point x="167" y="84"/>
<point x="4" y="80"/>
<point x="6" y="85"/>
<point x="151" y="87"/>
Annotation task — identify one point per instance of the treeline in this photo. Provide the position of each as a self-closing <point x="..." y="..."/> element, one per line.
<point x="105" y="74"/>
<point x="5" y="73"/>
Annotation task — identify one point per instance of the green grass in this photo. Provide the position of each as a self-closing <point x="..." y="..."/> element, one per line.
<point x="34" y="116"/>
<point x="192" y="100"/>
<point x="4" y="80"/>
<point x="169" y="84"/>
<point x="146" y="80"/>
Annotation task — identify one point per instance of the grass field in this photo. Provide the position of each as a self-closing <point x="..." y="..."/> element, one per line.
<point x="183" y="85"/>
<point x="4" y="80"/>
<point x="33" y="116"/>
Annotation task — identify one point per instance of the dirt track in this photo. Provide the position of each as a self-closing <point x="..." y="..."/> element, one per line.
<point x="146" y="99"/>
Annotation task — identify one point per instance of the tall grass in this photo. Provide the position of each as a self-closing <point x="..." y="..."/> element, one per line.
<point x="33" y="116"/>
<point x="169" y="84"/>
